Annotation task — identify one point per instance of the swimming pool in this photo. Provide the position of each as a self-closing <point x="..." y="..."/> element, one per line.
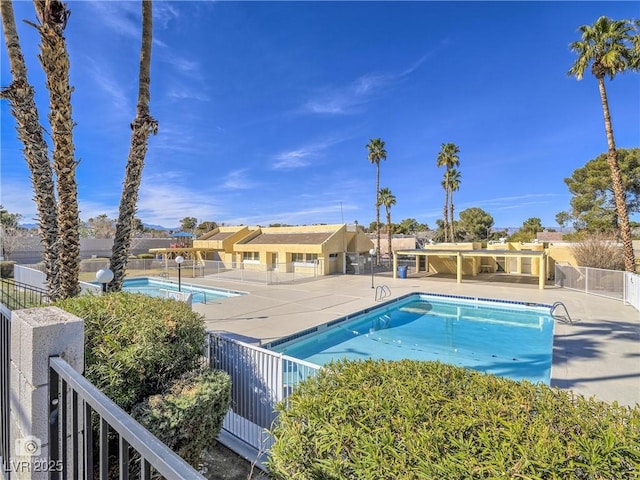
<point x="148" y="286"/>
<point x="510" y="339"/>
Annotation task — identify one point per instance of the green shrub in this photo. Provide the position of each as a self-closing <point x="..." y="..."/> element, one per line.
<point x="6" y="268"/>
<point x="136" y="345"/>
<point x="146" y="256"/>
<point x="189" y="416"/>
<point x="427" y="420"/>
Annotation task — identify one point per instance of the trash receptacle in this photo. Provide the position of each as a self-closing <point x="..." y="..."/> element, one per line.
<point x="402" y="271"/>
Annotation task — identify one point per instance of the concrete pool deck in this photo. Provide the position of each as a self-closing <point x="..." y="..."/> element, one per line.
<point x="599" y="355"/>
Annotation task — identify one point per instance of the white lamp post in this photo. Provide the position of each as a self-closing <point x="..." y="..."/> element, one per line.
<point x="179" y="260"/>
<point x="104" y="276"/>
<point x="372" y="253"/>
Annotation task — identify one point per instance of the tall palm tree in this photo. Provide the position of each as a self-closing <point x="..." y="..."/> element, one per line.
<point x="21" y="97"/>
<point x="608" y="47"/>
<point x="453" y="181"/>
<point x="377" y="153"/>
<point x="143" y="125"/>
<point x="53" y="15"/>
<point x="448" y="158"/>
<point x="388" y="199"/>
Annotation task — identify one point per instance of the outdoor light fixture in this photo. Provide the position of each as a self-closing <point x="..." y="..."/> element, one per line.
<point x="372" y="253"/>
<point x="104" y="276"/>
<point x="179" y="260"/>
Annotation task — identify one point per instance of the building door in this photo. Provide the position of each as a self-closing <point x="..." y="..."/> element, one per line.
<point x="274" y="261"/>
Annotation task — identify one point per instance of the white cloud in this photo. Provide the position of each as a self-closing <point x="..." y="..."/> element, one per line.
<point x="294" y="217"/>
<point x="517" y="201"/>
<point x="237" y="180"/>
<point x="167" y="198"/>
<point x="107" y="81"/>
<point x="122" y="17"/>
<point x="180" y="92"/>
<point x="350" y="98"/>
<point x="17" y="197"/>
<point x="303" y="156"/>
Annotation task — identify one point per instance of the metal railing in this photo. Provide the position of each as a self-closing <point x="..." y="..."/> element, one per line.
<point x="75" y="406"/>
<point x="16" y="295"/>
<point x="563" y="318"/>
<point x="616" y="284"/>
<point x="259" y="273"/>
<point x="382" y="292"/>
<point x="632" y="290"/>
<point x="5" y="372"/>
<point x="260" y="379"/>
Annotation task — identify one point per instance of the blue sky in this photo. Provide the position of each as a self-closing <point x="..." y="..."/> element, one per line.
<point x="265" y="108"/>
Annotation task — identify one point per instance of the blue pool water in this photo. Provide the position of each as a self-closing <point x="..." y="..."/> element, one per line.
<point x="508" y="339"/>
<point x="148" y="286"/>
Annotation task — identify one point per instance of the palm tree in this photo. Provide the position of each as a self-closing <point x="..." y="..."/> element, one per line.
<point x="143" y="125"/>
<point x="453" y="182"/>
<point x="54" y="57"/>
<point x="377" y="153"/>
<point x="448" y="158"/>
<point x="388" y="199"/>
<point x="608" y="47"/>
<point x="21" y="97"/>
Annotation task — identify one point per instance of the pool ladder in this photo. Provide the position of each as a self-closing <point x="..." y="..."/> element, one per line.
<point x="382" y="292"/>
<point x="566" y="318"/>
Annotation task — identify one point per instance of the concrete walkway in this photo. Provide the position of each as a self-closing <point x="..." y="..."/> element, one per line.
<point x="599" y="355"/>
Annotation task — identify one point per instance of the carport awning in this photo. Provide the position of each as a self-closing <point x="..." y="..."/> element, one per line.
<point x="462" y="254"/>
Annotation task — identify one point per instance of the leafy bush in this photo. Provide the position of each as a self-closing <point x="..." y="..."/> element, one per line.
<point x="150" y="256"/>
<point x="137" y="345"/>
<point x="6" y="268"/>
<point x="189" y="416"/>
<point x="409" y="419"/>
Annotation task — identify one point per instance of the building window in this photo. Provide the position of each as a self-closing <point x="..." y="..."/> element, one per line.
<point x="252" y="257"/>
<point x="304" y="257"/>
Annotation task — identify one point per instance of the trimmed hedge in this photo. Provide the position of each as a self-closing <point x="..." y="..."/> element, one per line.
<point x="428" y="420"/>
<point x="137" y="345"/>
<point x="6" y="268"/>
<point x="189" y="416"/>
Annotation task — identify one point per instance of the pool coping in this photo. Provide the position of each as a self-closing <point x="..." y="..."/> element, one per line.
<point x="364" y="311"/>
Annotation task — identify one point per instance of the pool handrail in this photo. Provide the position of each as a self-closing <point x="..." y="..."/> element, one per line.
<point x="382" y="292"/>
<point x="566" y="318"/>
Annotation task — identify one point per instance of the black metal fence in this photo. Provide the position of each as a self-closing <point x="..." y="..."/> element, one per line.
<point x="76" y="407"/>
<point x="15" y="295"/>
<point x="5" y="371"/>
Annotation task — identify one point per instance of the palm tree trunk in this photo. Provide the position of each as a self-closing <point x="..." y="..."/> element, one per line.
<point x="23" y="108"/>
<point x="143" y="125"/>
<point x="54" y="57"/>
<point x="389" y="233"/>
<point x="453" y="237"/>
<point x="617" y="184"/>
<point x="378" y="212"/>
<point x="445" y="211"/>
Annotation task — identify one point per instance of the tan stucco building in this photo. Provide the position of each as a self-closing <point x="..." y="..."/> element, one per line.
<point x="313" y="249"/>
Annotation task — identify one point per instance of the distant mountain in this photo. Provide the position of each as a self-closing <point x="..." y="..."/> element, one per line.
<point x="159" y="227"/>
<point x="31" y="226"/>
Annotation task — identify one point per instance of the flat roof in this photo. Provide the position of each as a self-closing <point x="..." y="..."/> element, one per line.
<point x="473" y="253"/>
